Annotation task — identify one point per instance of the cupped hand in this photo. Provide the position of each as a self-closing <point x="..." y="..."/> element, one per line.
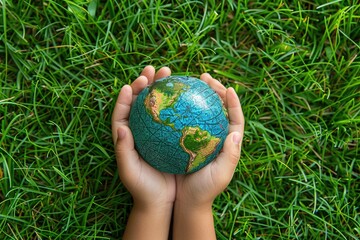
<point x="148" y="186"/>
<point x="201" y="188"/>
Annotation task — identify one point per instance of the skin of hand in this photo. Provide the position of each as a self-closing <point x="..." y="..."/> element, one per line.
<point x="153" y="192"/>
<point x="196" y="192"/>
<point x="203" y="186"/>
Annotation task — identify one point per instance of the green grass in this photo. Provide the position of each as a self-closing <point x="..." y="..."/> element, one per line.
<point x="294" y="64"/>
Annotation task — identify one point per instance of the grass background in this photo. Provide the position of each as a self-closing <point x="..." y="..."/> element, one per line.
<point x="294" y="64"/>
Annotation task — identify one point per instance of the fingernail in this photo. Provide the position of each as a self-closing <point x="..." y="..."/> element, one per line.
<point x="236" y="138"/>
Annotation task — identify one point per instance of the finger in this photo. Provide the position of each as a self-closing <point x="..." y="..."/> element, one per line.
<point x="126" y="156"/>
<point x="215" y="85"/>
<point x="121" y="111"/>
<point x="206" y="77"/>
<point x="139" y="84"/>
<point x="228" y="159"/>
<point x="236" y="116"/>
<point x="149" y="73"/>
<point x="163" y="72"/>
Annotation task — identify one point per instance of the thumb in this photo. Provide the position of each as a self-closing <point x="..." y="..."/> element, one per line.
<point x="126" y="155"/>
<point x="230" y="155"/>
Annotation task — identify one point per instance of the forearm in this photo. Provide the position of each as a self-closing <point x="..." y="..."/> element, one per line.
<point x="148" y="223"/>
<point x="192" y="222"/>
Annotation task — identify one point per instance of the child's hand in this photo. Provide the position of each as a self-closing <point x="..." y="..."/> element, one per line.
<point x="148" y="187"/>
<point x="196" y="192"/>
<point x="201" y="188"/>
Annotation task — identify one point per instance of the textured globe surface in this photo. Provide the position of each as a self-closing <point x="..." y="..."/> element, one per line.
<point x="179" y="124"/>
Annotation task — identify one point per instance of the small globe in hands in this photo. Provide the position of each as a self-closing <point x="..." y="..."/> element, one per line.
<point x="179" y="124"/>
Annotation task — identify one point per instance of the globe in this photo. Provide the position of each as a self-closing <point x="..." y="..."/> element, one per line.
<point x="179" y="124"/>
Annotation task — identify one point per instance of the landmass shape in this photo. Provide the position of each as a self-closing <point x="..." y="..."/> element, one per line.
<point x="163" y="94"/>
<point x="199" y="144"/>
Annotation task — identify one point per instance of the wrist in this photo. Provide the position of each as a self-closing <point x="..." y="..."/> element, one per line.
<point x="148" y="221"/>
<point x="194" y="201"/>
<point x="193" y="221"/>
<point x="153" y="207"/>
<point x="188" y="205"/>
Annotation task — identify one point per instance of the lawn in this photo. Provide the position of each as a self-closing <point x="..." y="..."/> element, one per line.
<point x="294" y="64"/>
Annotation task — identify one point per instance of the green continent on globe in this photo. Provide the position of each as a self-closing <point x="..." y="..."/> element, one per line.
<point x="162" y="95"/>
<point x="199" y="144"/>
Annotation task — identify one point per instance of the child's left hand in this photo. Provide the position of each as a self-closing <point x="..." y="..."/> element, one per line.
<point x="149" y="187"/>
<point x="201" y="188"/>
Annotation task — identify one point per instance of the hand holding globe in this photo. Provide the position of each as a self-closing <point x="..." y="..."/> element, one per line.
<point x="156" y="192"/>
